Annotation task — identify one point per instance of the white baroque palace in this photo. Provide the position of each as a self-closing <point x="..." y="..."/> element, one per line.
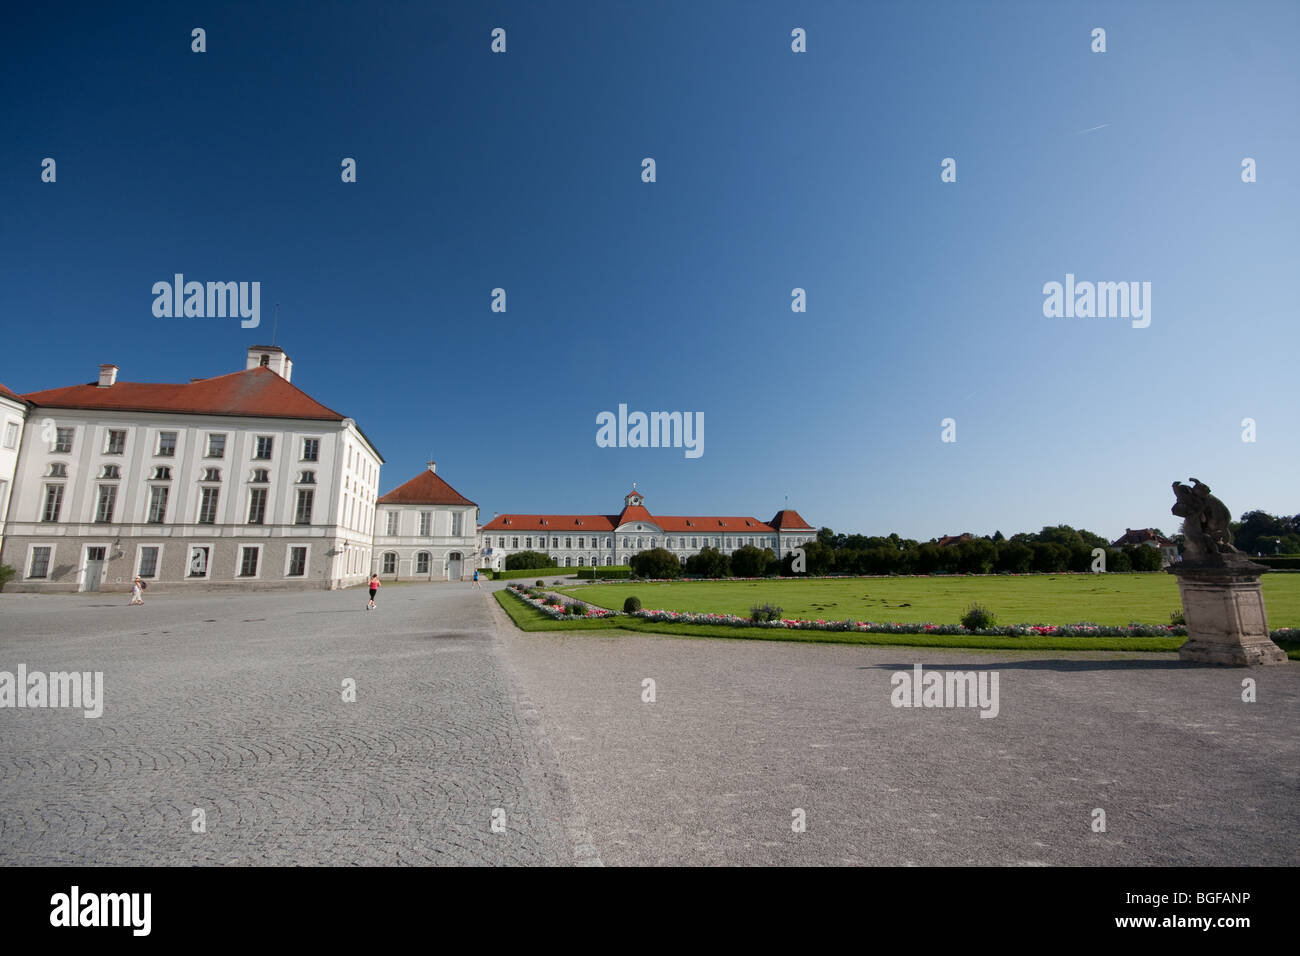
<point x="242" y="480"/>
<point x="601" y="540"/>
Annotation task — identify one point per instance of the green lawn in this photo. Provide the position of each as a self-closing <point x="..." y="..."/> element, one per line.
<point x="528" y="618"/>
<point x="1031" y="599"/>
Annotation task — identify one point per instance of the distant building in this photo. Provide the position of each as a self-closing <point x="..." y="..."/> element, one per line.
<point x="426" y="530"/>
<point x="242" y="480"/>
<point x="592" y="540"/>
<point x="948" y="539"/>
<point x="1152" y="539"/>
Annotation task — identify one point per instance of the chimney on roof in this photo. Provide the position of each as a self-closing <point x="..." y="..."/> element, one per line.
<point x="107" y="375"/>
<point x="272" y="357"/>
<point x="433" y="466"/>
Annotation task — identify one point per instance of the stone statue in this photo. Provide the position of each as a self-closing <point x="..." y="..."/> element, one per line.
<point x="1206" y="535"/>
<point x="1223" y="603"/>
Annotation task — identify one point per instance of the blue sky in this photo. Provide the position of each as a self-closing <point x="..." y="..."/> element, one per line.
<point x="775" y="170"/>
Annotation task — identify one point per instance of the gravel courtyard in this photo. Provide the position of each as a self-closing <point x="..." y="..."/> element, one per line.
<point x="232" y="704"/>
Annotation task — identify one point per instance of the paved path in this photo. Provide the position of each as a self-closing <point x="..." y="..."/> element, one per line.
<point x="742" y="733"/>
<point x="233" y="704"/>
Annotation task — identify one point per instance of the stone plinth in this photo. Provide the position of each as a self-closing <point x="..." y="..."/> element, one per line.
<point x="1224" y="608"/>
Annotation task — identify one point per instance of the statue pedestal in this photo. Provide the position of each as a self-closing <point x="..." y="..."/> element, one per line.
<point x="1224" y="608"/>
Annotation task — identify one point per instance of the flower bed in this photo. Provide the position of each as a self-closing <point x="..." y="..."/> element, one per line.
<point x="555" y="607"/>
<point x="895" y="627"/>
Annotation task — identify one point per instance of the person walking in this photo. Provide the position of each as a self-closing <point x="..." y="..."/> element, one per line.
<point x="374" y="588"/>
<point x="476" y="584"/>
<point x="137" y="591"/>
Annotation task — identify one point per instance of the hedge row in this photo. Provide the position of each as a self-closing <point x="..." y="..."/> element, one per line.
<point x="602" y="573"/>
<point x="531" y="573"/>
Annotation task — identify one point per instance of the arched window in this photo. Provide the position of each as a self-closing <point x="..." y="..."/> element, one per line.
<point x="639" y="544"/>
<point x="654" y="542"/>
<point x="388" y="564"/>
<point x="582" y="562"/>
<point x="594" y="562"/>
<point x="555" y="561"/>
<point x="422" y="563"/>
<point x="568" y="561"/>
<point x="608" y="561"/>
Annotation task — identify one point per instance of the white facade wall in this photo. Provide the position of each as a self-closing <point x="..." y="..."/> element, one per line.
<point x="13" y="417"/>
<point x="432" y="542"/>
<point x="345" y="469"/>
<point x="575" y="548"/>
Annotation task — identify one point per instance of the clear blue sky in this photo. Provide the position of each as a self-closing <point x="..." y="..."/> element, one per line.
<point x="775" y="170"/>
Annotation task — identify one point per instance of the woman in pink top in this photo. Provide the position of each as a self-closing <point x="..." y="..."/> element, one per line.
<point x="374" y="586"/>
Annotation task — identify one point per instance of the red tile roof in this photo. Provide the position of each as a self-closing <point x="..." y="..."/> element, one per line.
<point x="787" y="519"/>
<point x="425" y="488"/>
<point x="12" y="396"/>
<point x="550" y="523"/>
<point x="1142" y="536"/>
<point x="254" y="393"/>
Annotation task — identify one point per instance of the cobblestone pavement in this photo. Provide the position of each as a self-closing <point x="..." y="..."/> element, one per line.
<point x="234" y="705"/>
<point x="743" y="733"/>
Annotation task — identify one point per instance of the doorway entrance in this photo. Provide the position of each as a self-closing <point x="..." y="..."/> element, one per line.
<point x="94" y="568"/>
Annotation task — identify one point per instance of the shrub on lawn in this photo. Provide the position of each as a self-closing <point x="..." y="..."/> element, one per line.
<point x="977" y="618"/>
<point x="576" y="609"/>
<point x="6" y="575"/>
<point x="765" y="612"/>
<point x="1176" y="618"/>
<point x="656" y="563"/>
<point x="541" y="583"/>
<point x="527" y="559"/>
<point x="632" y="605"/>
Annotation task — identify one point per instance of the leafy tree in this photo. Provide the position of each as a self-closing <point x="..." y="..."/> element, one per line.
<point x="1050" y="557"/>
<point x="656" y="563"/>
<point x="1144" y="558"/>
<point x="976" y="556"/>
<point x="708" y="562"/>
<point x="748" y="561"/>
<point x="1015" y="557"/>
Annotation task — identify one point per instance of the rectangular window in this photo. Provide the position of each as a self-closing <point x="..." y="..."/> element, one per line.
<point x="389" y="563"/>
<point x="208" y="498"/>
<point x="199" y="562"/>
<point x="302" y="514"/>
<point x="392" y="522"/>
<point x="514" y="542"/>
<point x="63" y="441"/>
<point x="456" y="524"/>
<point x="40" y="563"/>
<point x="426" y="521"/>
<point x="310" y="449"/>
<point x="582" y="542"/>
<point x="216" y="446"/>
<point x="568" y="542"/>
<point x="264" y="446"/>
<point x="53" y="503"/>
<point x="257" y="506"/>
<point x="297" y="562"/>
<point x="116" y="442"/>
<point x="158" y="504"/>
<point x="148" y="562"/>
<point x="11" y="434"/>
<point x="248" y="562"/>
<point x="501" y="542"/>
<point x="528" y="542"/>
<point x="104" y="508"/>
<point x="166" y="444"/>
